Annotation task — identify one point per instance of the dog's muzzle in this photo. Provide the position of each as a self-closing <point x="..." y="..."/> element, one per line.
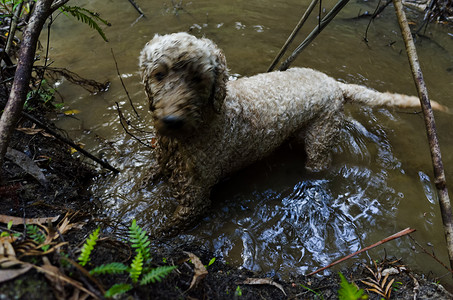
<point x="172" y="122"/>
<point x="171" y="125"/>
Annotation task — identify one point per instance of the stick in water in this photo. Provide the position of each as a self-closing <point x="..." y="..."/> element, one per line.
<point x="392" y="237"/>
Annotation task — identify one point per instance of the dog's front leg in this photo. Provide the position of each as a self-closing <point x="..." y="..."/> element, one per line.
<point x="193" y="202"/>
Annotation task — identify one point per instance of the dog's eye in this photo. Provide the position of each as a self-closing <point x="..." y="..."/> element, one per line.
<point x="159" y="76"/>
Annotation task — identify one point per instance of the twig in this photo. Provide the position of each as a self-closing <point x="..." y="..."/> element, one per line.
<point x="377" y="11"/>
<point x="326" y="20"/>
<point x="122" y="83"/>
<point x="392" y="237"/>
<point x="120" y="114"/>
<point x="293" y="35"/>
<point x="46" y="59"/>
<point x="439" y="174"/>
<point x="432" y="255"/>
<point x="92" y="86"/>
<point x="87" y="274"/>
<point x="137" y="8"/>
<point x="13" y="27"/>
<point x="319" y="14"/>
<point x="69" y="142"/>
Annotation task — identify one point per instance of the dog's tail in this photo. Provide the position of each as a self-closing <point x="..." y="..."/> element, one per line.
<point x="360" y="94"/>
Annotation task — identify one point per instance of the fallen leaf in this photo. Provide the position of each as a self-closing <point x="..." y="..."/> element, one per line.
<point x="71" y="112"/>
<point x="65" y="225"/>
<point x="55" y="276"/>
<point x="20" y="221"/>
<point x="8" y="238"/>
<point x="9" y="274"/>
<point x="27" y="164"/>
<point x="78" y="295"/>
<point x="30" y="130"/>
<point x="6" y="249"/>
<point x="74" y="150"/>
<point x="264" y="281"/>
<point x="8" y="262"/>
<point x="393" y="271"/>
<point x="200" y="269"/>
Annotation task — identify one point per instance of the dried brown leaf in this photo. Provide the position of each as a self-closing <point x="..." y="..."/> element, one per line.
<point x="388" y="289"/>
<point x="8" y="262"/>
<point x="27" y="164"/>
<point x="373" y="285"/>
<point x="20" y="221"/>
<point x="384" y="281"/>
<point x="65" y="225"/>
<point x="6" y="248"/>
<point x="371" y="271"/>
<point x="54" y="272"/>
<point x="376" y="291"/>
<point x="264" y="281"/>
<point x="37" y="249"/>
<point x="393" y="271"/>
<point x="200" y="269"/>
<point x="55" y="278"/>
<point x="30" y="130"/>
<point x="9" y="274"/>
<point x="78" y="295"/>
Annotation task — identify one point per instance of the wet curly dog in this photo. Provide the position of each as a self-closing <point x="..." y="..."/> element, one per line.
<point x="208" y="127"/>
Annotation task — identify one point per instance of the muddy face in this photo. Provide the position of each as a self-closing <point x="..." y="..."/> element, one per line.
<point x="179" y="96"/>
<point x="179" y="83"/>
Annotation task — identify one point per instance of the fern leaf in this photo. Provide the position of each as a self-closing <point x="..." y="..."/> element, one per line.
<point x="349" y="291"/>
<point x="116" y="289"/>
<point x="35" y="234"/>
<point x="112" y="268"/>
<point x="84" y="257"/>
<point x="88" y="17"/>
<point x="136" y="267"/>
<point x="157" y="274"/>
<point x="139" y="240"/>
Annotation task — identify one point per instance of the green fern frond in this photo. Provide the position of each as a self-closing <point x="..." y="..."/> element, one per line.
<point x="88" y="17"/>
<point x="35" y="234"/>
<point x="136" y="267"/>
<point x="84" y="257"/>
<point x="111" y="268"/>
<point x="116" y="289"/>
<point x="157" y="274"/>
<point x="349" y="291"/>
<point x="139" y="240"/>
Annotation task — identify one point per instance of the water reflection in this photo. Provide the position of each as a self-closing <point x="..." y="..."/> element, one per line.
<point x="292" y="229"/>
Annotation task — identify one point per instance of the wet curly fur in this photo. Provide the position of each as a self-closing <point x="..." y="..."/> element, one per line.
<point x="208" y="127"/>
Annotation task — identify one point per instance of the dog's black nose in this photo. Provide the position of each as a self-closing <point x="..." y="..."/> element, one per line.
<point x="173" y="122"/>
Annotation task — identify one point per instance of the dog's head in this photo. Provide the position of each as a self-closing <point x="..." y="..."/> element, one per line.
<point x="185" y="81"/>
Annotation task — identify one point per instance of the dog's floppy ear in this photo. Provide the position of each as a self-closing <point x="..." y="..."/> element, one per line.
<point x="149" y="94"/>
<point x="221" y="77"/>
<point x="144" y="65"/>
<point x="145" y="80"/>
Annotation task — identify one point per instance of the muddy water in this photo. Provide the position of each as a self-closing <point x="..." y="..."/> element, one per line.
<point x="274" y="217"/>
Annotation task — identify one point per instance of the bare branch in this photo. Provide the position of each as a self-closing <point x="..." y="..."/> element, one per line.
<point x="392" y="237"/>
